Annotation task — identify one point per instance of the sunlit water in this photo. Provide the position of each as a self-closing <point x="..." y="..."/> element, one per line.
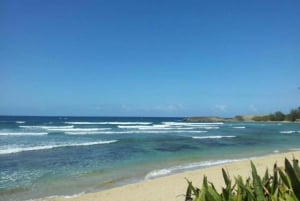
<point x="49" y="156"/>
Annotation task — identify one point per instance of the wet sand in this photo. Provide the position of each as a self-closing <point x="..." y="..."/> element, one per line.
<point x="173" y="187"/>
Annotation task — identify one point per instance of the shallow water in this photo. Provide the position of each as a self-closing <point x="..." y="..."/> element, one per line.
<point x="47" y="156"/>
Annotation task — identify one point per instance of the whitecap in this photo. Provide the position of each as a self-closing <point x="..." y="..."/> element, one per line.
<point x="154" y="127"/>
<point x="110" y="122"/>
<point x="136" y="132"/>
<point x="45" y="147"/>
<point x="289" y="132"/>
<point x="213" y="137"/>
<point x="47" y="127"/>
<point x="22" y="134"/>
<point x="78" y="129"/>
<point x="192" y="124"/>
<point x="239" y="127"/>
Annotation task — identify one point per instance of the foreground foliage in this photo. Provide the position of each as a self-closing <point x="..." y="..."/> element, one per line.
<point x="282" y="185"/>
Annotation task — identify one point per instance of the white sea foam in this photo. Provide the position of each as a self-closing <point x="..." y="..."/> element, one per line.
<point x="65" y="128"/>
<point x="20" y="122"/>
<point x="143" y="127"/>
<point x="154" y="127"/>
<point x="213" y="137"/>
<point x="46" y="127"/>
<point x="190" y="166"/>
<point x="85" y="132"/>
<point x="22" y="133"/>
<point x="192" y="124"/>
<point x="239" y="127"/>
<point x="109" y="122"/>
<point x="43" y="147"/>
<point x="78" y="129"/>
<point x="210" y="127"/>
<point x="289" y="132"/>
<point x="135" y="132"/>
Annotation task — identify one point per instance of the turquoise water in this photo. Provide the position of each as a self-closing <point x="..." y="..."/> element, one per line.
<point x="50" y="156"/>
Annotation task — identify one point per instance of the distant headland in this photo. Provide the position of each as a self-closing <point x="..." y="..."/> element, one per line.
<point x="293" y="116"/>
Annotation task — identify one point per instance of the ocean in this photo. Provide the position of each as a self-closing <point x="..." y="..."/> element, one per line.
<point x="65" y="156"/>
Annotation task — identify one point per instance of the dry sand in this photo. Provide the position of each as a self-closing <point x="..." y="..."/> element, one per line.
<point x="172" y="188"/>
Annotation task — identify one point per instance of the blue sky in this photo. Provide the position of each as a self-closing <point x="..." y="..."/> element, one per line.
<point x="149" y="58"/>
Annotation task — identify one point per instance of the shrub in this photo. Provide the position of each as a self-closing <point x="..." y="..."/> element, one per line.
<point x="282" y="185"/>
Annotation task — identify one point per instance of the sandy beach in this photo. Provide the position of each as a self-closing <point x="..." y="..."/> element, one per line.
<point x="173" y="187"/>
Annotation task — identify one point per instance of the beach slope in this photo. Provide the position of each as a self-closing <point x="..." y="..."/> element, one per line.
<point x="173" y="187"/>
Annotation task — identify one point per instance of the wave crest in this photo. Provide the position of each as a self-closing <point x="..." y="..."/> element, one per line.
<point x="213" y="137"/>
<point x="190" y="166"/>
<point x="45" y="147"/>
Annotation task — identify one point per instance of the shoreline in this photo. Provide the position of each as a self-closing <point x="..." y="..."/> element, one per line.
<point x="172" y="187"/>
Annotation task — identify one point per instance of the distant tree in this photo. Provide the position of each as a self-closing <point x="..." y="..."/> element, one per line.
<point x="279" y="116"/>
<point x="272" y="117"/>
<point x="294" y="114"/>
<point x="239" y="118"/>
<point x="261" y="118"/>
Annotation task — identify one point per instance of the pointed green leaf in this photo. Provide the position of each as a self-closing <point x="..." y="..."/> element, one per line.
<point x="226" y="177"/>
<point x="296" y="168"/>
<point x="284" y="178"/>
<point x="225" y="194"/>
<point x="266" y="177"/>
<point x="258" y="187"/>
<point x="202" y="195"/>
<point x="244" y="187"/>
<point x="188" y="194"/>
<point x="294" y="181"/>
<point x="213" y="195"/>
<point x="275" y="179"/>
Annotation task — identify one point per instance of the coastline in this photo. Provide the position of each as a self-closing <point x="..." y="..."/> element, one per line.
<point x="173" y="187"/>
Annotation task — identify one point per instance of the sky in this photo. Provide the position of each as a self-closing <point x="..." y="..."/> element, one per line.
<point x="149" y="58"/>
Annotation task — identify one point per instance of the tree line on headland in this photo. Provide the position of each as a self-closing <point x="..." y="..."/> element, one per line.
<point x="293" y="116"/>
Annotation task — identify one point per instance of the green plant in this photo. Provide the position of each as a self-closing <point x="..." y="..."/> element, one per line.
<point x="282" y="185"/>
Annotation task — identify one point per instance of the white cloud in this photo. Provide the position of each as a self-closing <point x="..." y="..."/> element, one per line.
<point x="252" y="108"/>
<point x="170" y="107"/>
<point x="220" y="108"/>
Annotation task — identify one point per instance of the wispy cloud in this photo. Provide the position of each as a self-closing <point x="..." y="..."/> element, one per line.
<point x="169" y="107"/>
<point x="221" y="108"/>
<point x="253" y="108"/>
<point x="132" y="109"/>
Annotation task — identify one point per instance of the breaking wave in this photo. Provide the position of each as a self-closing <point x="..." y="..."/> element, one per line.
<point x="79" y="129"/>
<point x="289" y="132"/>
<point x="192" y="124"/>
<point x="239" y="127"/>
<point x="154" y="127"/>
<point x="190" y="166"/>
<point x="109" y="122"/>
<point x="45" y="147"/>
<point x="47" y="127"/>
<point x="135" y="132"/>
<point x="213" y="137"/>
<point x="22" y="134"/>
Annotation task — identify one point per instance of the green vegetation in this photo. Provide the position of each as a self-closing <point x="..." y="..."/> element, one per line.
<point x="281" y="185"/>
<point x="279" y="116"/>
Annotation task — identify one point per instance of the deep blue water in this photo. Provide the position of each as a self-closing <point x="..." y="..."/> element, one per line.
<point x="48" y="156"/>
